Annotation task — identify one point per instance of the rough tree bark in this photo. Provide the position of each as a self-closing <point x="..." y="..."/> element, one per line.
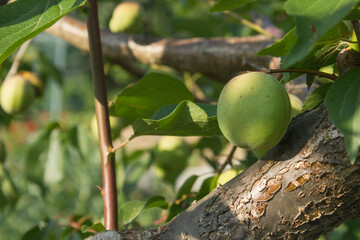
<point x="302" y="188"/>
<point x="215" y="57"/>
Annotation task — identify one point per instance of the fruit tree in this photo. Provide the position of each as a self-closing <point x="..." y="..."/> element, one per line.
<point x="179" y="119"/>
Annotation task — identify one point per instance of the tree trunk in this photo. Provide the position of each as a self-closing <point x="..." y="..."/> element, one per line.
<point x="302" y="188"/>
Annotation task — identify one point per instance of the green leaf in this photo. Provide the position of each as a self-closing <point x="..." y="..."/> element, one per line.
<point x="324" y="52"/>
<point x="282" y="47"/>
<point x="152" y="92"/>
<point x="34" y="154"/>
<point x="156" y="201"/>
<point x="343" y="105"/>
<point x="187" y="186"/>
<point x="129" y="211"/>
<point x="353" y="15"/>
<point x="97" y="227"/>
<point x="24" y="19"/>
<point x="206" y="187"/>
<point x="313" y="18"/>
<point x="222" y="5"/>
<point x="316" y="98"/>
<point x="185" y="119"/>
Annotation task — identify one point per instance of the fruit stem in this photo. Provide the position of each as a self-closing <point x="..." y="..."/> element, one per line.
<point x="356" y="27"/>
<point x="102" y="116"/>
<point x="298" y="70"/>
<point x="17" y="60"/>
<point x="228" y="160"/>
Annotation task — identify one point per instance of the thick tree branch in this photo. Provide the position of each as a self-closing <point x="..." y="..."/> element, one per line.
<point x="215" y="57"/>
<point x="301" y="189"/>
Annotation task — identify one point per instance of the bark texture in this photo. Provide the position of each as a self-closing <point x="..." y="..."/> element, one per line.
<point x="302" y="188"/>
<point x="220" y="58"/>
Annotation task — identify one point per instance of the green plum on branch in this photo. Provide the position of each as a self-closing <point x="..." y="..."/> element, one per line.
<point x="254" y="111"/>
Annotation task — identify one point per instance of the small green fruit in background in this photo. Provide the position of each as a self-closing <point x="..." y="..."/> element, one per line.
<point x="170" y="158"/>
<point x="127" y="18"/>
<point x="228" y="175"/>
<point x="18" y="92"/>
<point x="2" y="152"/>
<point x="116" y="124"/>
<point x="254" y="111"/>
<point x="296" y="105"/>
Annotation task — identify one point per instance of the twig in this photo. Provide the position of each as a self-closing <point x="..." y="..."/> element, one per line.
<point x="246" y="22"/>
<point x="228" y="160"/>
<point x="17" y="60"/>
<point x="102" y="116"/>
<point x="249" y="24"/>
<point x="307" y="71"/>
<point x="119" y="146"/>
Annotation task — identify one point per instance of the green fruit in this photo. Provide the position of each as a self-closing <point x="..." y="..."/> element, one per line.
<point x="296" y="105"/>
<point x="2" y="152"/>
<point x="116" y="124"/>
<point x="17" y="94"/>
<point x="170" y="158"/>
<point x="127" y="17"/>
<point x="254" y="111"/>
<point x="228" y="175"/>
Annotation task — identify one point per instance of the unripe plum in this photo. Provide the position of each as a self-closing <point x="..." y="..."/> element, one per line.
<point x="254" y="111"/>
<point x="17" y="93"/>
<point x="296" y="105"/>
<point x="228" y="175"/>
<point x="127" y="17"/>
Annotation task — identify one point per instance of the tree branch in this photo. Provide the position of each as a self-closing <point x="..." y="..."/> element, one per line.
<point x="300" y="189"/>
<point x="220" y="58"/>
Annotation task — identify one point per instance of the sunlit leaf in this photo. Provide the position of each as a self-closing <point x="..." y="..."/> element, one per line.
<point x="129" y="211"/>
<point x="316" y="98"/>
<point x="313" y="18"/>
<point x="152" y="92"/>
<point x="185" y="119"/>
<point x="24" y="19"/>
<point x="97" y="227"/>
<point x="282" y="47"/>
